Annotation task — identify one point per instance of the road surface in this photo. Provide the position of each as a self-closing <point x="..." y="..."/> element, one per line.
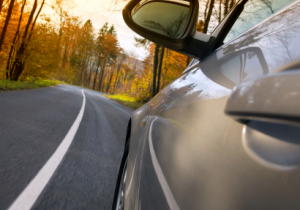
<point x="35" y="123"/>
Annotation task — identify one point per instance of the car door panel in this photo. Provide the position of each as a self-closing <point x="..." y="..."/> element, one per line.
<point x="205" y="163"/>
<point x="202" y="158"/>
<point x="136" y="145"/>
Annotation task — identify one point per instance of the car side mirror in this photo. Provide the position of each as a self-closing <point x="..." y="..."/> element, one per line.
<point x="170" y="23"/>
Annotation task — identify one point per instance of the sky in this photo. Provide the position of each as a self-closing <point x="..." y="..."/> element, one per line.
<point x="98" y="12"/>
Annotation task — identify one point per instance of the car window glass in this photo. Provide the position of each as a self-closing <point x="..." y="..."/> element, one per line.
<point x="254" y="12"/>
<point x="231" y="69"/>
<point x="242" y="66"/>
<point x="254" y="69"/>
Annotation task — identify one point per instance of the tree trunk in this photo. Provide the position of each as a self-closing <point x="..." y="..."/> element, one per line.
<point x="226" y="2"/>
<point x="81" y="66"/>
<point x="116" y="82"/>
<point x="88" y="73"/>
<point x="81" y="79"/>
<point x="155" y="69"/>
<point x="209" y="13"/>
<point x="231" y="4"/>
<point x="89" y="79"/>
<point x="117" y="77"/>
<point x="187" y="61"/>
<point x="35" y="19"/>
<point x="8" y="70"/>
<point x="162" y="53"/>
<point x="220" y="11"/>
<point x="109" y="81"/>
<point x="95" y="78"/>
<point x="8" y="65"/>
<point x="102" y="87"/>
<point x="100" y="80"/>
<point x="205" y="11"/>
<point x="1" y="5"/>
<point x="11" y="6"/>
<point x="18" y="63"/>
<point x="65" y="54"/>
<point x="81" y="75"/>
<point x="101" y="75"/>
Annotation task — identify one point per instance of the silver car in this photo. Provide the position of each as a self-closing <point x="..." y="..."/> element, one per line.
<point x="225" y="135"/>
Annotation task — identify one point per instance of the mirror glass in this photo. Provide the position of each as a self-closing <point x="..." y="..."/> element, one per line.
<point x="169" y="17"/>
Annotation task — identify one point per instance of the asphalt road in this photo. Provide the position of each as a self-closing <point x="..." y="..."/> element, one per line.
<point x="33" y="123"/>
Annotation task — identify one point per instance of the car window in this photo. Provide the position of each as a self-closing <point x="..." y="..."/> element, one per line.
<point x="231" y="69"/>
<point x="242" y="66"/>
<point x="256" y="67"/>
<point x="255" y="11"/>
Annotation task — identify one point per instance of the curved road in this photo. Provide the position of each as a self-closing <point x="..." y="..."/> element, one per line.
<point x="34" y="123"/>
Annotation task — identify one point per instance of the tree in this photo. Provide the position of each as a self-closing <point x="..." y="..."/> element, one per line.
<point x="20" y="60"/>
<point x="162" y="53"/>
<point x="110" y="49"/>
<point x="1" y="5"/>
<point x="8" y="71"/>
<point x="119" y="62"/>
<point x="210" y="7"/>
<point x="11" y="5"/>
<point x="107" y="48"/>
<point x="85" y="44"/>
<point x="140" y="42"/>
<point x="155" y="64"/>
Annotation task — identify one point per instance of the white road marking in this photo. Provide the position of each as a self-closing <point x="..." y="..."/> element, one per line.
<point x="28" y="197"/>
<point x="161" y="178"/>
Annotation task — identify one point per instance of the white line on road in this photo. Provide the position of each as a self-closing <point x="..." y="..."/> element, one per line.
<point x="27" y="198"/>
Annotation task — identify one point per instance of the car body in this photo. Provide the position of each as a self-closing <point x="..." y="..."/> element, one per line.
<point x="225" y="135"/>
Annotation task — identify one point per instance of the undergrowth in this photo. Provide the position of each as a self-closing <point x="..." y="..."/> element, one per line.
<point x="7" y="85"/>
<point x="125" y="100"/>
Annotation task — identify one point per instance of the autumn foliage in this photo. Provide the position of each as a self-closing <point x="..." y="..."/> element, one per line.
<point x="62" y="47"/>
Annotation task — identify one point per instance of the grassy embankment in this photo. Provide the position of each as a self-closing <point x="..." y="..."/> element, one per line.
<point x="7" y="85"/>
<point x="125" y="100"/>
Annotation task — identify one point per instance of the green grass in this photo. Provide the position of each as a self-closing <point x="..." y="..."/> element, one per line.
<point x="7" y="85"/>
<point x="125" y="100"/>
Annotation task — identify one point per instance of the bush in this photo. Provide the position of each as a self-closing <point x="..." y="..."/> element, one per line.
<point x="7" y="85"/>
<point x="125" y="100"/>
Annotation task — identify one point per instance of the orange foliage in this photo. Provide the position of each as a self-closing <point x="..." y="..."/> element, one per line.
<point x="173" y="65"/>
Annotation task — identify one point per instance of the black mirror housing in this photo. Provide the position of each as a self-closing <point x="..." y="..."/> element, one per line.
<point x="190" y="43"/>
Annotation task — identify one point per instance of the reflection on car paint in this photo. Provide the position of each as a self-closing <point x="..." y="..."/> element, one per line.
<point x="162" y="180"/>
<point x="271" y="152"/>
<point x="205" y="156"/>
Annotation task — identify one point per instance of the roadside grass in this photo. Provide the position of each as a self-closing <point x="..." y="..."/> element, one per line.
<point x="125" y="100"/>
<point x="7" y="85"/>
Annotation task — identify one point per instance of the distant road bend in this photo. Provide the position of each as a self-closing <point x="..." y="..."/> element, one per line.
<point x="60" y="148"/>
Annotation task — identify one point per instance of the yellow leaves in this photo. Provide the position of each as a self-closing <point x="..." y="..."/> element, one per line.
<point x="70" y="51"/>
<point x="110" y="45"/>
<point x="39" y="66"/>
<point x="173" y="65"/>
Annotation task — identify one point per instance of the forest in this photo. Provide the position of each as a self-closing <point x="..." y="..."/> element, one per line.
<point x="66" y="48"/>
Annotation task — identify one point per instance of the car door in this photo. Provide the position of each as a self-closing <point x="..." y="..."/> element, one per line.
<point x="195" y="156"/>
